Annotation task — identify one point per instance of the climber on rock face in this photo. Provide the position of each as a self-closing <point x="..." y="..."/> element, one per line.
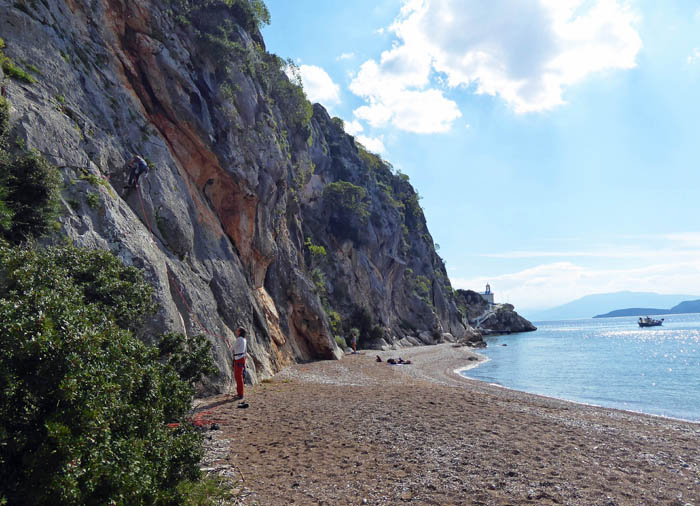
<point x="138" y="168"/>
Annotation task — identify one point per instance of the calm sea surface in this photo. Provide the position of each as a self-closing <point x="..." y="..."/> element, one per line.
<point x="607" y="362"/>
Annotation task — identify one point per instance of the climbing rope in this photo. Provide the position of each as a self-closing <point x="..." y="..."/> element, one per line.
<point x="170" y="275"/>
<point x="153" y="238"/>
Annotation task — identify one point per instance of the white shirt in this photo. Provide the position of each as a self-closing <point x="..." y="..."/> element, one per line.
<point x="239" y="347"/>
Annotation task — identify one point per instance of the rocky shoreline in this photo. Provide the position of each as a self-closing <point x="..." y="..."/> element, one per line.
<point x="356" y="431"/>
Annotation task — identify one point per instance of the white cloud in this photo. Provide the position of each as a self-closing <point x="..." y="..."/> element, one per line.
<point x="395" y="89"/>
<point x="422" y="112"/>
<point x="353" y="127"/>
<point x="613" y="253"/>
<point x="672" y="268"/>
<point x="553" y="284"/>
<point x="525" y="51"/>
<point x="318" y="85"/>
<point x="694" y="55"/>
<point x="684" y="239"/>
<point x="345" y="56"/>
<point x="373" y="144"/>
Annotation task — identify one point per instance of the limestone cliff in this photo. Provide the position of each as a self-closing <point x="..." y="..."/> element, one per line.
<point x="258" y="211"/>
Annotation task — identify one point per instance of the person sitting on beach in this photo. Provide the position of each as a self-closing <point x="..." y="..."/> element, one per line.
<point x="379" y="359"/>
<point x="400" y="361"/>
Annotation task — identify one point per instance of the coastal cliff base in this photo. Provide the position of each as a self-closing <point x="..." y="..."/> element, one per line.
<point x="360" y="432"/>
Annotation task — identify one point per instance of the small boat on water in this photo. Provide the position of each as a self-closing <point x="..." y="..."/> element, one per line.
<point x="650" y="322"/>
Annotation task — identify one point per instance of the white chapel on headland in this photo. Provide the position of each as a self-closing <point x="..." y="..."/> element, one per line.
<point x="487" y="295"/>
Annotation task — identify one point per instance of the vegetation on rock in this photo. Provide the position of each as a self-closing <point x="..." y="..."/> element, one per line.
<point x="29" y="189"/>
<point x="11" y="68"/>
<point x="347" y="206"/>
<point x="84" y="404"/>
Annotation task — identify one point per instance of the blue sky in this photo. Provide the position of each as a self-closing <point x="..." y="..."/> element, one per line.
<point x="554" y="142"/>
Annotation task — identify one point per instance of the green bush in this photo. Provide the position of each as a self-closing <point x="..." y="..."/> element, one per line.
<point x="419" y="286"/>
<point x="5" y="210"/>
<point x="339" y="123"/>
<point x="319" y="279"/>
<point x="32" y="188"/>
<point x="252" y="14"/>
<point x="11" y="68"/>
<point x="317" y="252"/>
<point x="190" y="357"/>
<point x="29" y="189"/>
<point x="84" y="405"/>
<point x="93" y="200"/>
<point x="4" y="122"/>
<point x="335" y="321"/>
<point x="347" y="198"/>
<point x="210" y="491"/>
<point x="340" y="341"/>
<point x="117" y="291"/>
<point x="288" y="93"/>
<point x="347" y="208"/>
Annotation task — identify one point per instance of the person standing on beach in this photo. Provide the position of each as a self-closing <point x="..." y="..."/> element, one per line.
<point x="239" y="351"/>
<point x="353" y="339"/>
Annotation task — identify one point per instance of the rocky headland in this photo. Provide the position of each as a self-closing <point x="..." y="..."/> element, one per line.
<point x="489" y="319"/>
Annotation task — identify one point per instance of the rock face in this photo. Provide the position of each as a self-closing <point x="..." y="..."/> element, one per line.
<point x="496" y="319"/>
<point x="258" y="211"/>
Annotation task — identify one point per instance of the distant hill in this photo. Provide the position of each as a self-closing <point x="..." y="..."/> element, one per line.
<point x="688" y="306"/>
<point x="633" y="311"/>
<point x="590" y="305"/>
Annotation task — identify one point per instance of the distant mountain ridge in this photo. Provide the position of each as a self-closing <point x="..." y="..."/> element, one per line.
<point x="688" y="306"/>
<point x="601" y="303"/>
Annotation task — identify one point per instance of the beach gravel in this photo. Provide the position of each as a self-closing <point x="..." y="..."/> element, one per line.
<point x="356" y="431"/>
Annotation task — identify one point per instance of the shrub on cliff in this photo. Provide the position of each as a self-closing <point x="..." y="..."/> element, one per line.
<point x="31" y="185"/>
<point x="84" y="405"/>
<point x="4" y="122"/>
<point x="347" y="208"/>
<point x="29" y="189"/>
<point x="252" y="14"/>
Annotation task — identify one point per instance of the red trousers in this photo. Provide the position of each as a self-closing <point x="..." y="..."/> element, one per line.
<point x="238" y="368"/>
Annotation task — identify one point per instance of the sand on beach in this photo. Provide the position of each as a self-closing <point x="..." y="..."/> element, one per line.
<point x="356" y="431"/>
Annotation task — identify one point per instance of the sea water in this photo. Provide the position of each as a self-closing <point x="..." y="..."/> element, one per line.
<point x="609" y="362"/>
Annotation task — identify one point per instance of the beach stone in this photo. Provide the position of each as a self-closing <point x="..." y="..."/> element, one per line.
<point x="426" y="337"/>
<point x="413" y="340"/>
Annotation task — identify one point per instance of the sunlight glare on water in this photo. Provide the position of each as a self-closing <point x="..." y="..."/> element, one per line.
<point x="609" y="362"/>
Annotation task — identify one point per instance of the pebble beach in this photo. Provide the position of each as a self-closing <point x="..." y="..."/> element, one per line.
<point x="356" y="431"/>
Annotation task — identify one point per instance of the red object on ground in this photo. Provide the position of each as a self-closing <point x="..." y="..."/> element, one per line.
<point x="238" y="368"/>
